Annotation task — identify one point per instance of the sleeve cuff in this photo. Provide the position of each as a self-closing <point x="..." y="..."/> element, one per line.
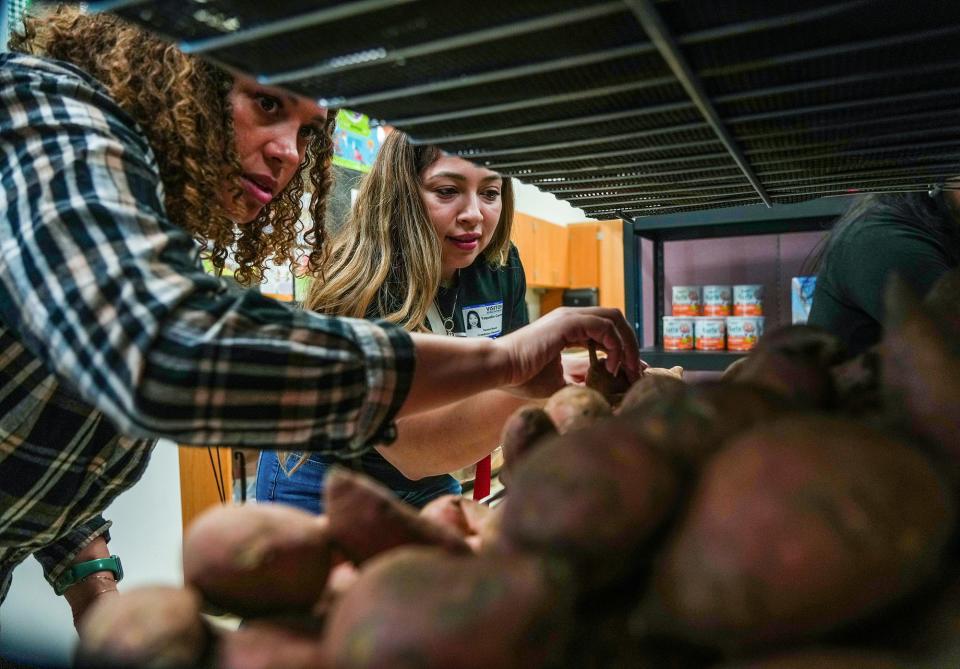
<point x="391" y="359"/>
<point x="58" y="556"/>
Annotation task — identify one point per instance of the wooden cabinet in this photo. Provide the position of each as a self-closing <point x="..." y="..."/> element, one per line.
<point x="610" y="265"/>
<point x="552" y="257"/>
<point x="584" y="255"/>
<point x="205" y="479"/>
<point x="522" y="235"/>
<point x="579" y="255"/>
<point x="596" y="259"/>
<point x="544" y="249"/>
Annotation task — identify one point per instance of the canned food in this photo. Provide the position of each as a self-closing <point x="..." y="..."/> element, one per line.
<point x="743" y="332"/>
<point x="708" y="333"/>
<point x="677" y="333"/>
<point x="716" y="300"/>
<point x="748" y="300"/>
<point x="686" y="301"/>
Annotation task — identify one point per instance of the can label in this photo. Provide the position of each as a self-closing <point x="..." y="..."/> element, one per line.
<point x="677" y="334"/>
<point x="686" y="301"/>
<point x="709" y="334"/>
<point x="716" y="300"/>
<point x="743" y="332"/>
<point x="748" y="300"/>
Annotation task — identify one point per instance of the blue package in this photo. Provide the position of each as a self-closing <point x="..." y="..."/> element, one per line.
<point x="801" y="297"/>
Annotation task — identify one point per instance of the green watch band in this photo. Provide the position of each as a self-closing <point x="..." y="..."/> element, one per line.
<point x="81" y="570"/>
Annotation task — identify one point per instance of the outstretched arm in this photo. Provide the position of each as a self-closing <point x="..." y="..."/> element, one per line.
<point x="452" y="437"/>
<point x="525" y="362"/>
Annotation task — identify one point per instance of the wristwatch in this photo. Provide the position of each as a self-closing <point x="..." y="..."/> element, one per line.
<point x="78" y="572"/>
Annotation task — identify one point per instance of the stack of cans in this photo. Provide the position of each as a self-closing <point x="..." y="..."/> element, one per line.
<point x="714" y="318"/>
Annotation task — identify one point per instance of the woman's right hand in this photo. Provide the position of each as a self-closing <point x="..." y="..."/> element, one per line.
<point x="525" y="362"/>
<point x="534" y="351"/>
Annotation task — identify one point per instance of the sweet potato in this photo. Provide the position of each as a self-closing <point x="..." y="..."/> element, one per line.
<point x="611" y="386"/>
<point x="857" y="382"/>
<point x="488" y="526"/>
<point x="648" y="389"/>
<point x="342" y="578"/>
<point x="447" y="510"/>
<point x="794" y="362"/>
<point x="258" y="559"/>
<point x="263" y="645"/>
<point x="524" y="429"/>
<point x="924" y="628"/>
<point x="152" y="628"/>
<point x="423" y="608"/>
<point x="367" y="519"/>
<point x="464" y="516"/>
<point x="594" y="497"/>
<point x="733" y="370"/>
<point x="825" y="658"/>
<point x="576" y="407"/>
<point x="798" y="527"/>
<point x="921" y="371"/>
<point x="691" y="422"/>
<point x="476" y="514"/>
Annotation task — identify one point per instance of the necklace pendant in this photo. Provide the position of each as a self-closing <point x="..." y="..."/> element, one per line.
<point x="448" y="325"/>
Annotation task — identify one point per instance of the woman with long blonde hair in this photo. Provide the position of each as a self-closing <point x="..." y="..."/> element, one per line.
<point x="427" y="247"/>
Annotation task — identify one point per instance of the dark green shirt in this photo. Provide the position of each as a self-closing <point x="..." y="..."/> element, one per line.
<point x="487" y="301"/>
<point x="848" y="298"/>
<point x="496" y="295"/>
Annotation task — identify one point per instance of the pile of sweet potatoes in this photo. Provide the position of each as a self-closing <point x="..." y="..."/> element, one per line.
<point x="799" y="513"/>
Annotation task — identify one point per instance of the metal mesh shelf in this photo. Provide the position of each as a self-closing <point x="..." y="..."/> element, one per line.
<point x="625" y="107"/>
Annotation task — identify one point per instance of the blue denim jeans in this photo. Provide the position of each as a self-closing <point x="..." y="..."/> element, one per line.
<point x="304" y="487"/>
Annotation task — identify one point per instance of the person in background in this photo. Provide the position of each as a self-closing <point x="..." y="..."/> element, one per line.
<point x="427" y="246"/>
<point x="915" y="235"/>
<point x="124" y="162"/>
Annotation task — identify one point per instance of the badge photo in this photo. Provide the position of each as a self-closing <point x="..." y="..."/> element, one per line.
<point x="483" y="320"/>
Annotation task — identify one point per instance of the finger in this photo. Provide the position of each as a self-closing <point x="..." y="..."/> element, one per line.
<point x="632" y="365"/>
<point x="605" y="333"/>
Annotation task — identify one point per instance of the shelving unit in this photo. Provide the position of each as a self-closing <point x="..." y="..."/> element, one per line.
<point x="806" y="216"/>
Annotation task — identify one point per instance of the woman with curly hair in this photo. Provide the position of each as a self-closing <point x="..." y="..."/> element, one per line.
<point x="124" y="162"/>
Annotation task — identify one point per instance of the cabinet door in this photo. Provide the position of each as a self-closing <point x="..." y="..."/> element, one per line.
<point x="522" y="235"/>
<point x="542" y="260"/>
<point x="205" y="480"/>
<point x="611" y="265"/>
<point x="584" y="255"/>
<point x="557" y="269"/>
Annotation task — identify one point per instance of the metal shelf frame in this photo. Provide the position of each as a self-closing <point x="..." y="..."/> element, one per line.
<point x="628" y="107"/>
<point x="811" y="215"/>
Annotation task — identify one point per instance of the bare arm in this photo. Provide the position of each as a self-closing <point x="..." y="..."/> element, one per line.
<point x="100" y="584"/>
<point x="452" y="437"/>
<point x="526" y="361"/>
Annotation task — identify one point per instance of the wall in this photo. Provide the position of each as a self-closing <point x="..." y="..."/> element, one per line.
<point x="35" y="624"/>
<point x="531" y="200"/>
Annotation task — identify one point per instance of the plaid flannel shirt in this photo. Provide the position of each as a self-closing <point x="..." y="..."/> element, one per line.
<point x="111" y="334"/>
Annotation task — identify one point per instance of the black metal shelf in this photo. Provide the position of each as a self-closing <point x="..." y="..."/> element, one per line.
<point x="811" y="215"/>
<point x="641" y="107"/>
<point x="706" y="361"/>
